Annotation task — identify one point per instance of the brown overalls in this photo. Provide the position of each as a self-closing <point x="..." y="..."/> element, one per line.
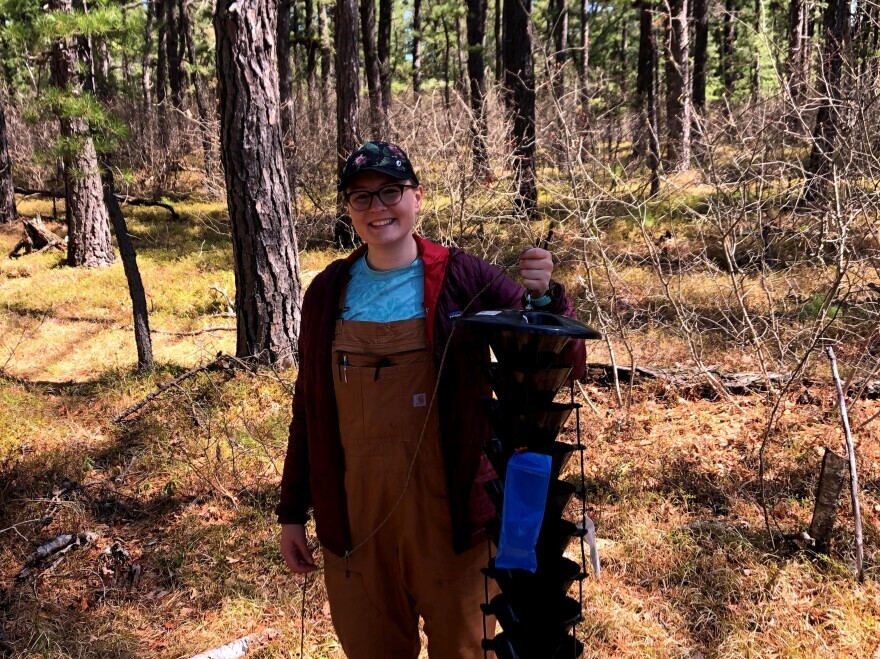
<point x="397" y="506"/>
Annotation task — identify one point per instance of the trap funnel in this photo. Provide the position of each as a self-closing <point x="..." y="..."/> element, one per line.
<point x="518" y="387"/>
<point x="527" y="339"/>
<point x="533" y="608"/>
<point x="533" y="427"/>
<point x="510" y="646"/>
<point x="559" y="452"/>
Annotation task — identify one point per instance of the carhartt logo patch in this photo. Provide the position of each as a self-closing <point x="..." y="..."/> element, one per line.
<point x="420" y="400"/>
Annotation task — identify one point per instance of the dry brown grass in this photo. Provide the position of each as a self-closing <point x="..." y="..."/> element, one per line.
<point x="188" y="486"/>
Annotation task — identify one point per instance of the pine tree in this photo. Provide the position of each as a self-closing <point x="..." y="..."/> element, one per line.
<point x="266" y="260"/>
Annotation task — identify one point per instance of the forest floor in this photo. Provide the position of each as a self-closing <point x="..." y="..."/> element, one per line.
<point x="180" y="495"/>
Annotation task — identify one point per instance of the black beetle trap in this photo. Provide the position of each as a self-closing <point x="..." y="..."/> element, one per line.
<point x="533" y="608"/>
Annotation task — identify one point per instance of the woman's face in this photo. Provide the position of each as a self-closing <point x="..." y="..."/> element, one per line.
<point x="384" y="226"/>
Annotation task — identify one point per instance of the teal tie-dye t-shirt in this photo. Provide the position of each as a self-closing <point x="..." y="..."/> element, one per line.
<point x="383" y="296"/>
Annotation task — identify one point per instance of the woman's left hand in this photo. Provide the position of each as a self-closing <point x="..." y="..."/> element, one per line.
<point x="535" y="268"/>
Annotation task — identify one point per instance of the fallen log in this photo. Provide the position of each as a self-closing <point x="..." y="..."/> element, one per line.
<point x="37" y="237"/>
<point x="694" y="380"/>
<point x="123" y="199"/>
<point x="239" y="647"/>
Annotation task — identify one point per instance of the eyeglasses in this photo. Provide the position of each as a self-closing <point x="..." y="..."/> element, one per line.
<point x="389" y="195"/>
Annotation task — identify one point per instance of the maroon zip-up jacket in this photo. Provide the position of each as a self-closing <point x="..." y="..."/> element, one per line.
<point x="314" y="467"/>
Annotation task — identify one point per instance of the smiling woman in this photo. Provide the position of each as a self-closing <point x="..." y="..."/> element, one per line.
<point x="402" y="524"/>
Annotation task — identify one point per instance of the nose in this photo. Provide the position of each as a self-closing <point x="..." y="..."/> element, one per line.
<point x="376" y="200"/>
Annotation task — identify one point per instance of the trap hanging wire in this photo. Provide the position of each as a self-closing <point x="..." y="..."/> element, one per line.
<point x="534" y="609"/>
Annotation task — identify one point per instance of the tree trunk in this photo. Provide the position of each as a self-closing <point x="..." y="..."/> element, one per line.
<point x="371" y="67"/>
<point x="559" y="31"/>
<point x="162" y="70"/>
<point x="829" y="120"/>
<point x="172" y="45"/>
<point x="324" y="28"/>
<point x="499" y="62"/>
<point x="678" y="92"/>
<point x="647" y="133"/>
<point x="519" y="86"/>
<point x="145" y="63"/>
<point x="476" y="33"/>
<point x="701" y="53"/>
<point x="311" y="43"/>
<point x="139" y="310"/>
<point x="584" y="70"/>
<point x="201" y="105"/>
<point x="417" y="46"/>
<point x="447" y="99"/>
<point x="797" y="32"/>
<point x="558" y="16"/>
<point x="285" y="81"/>
<point x="267" y="278"/>
<point x="756" y="55"/>
<point x="8" y="211"/>
<point x="726" y="49"/>
<point x="347" y="87"/>
<point x="462" y="83"/>
<point x="89" y="243"/>
<point x="384" y="45"/>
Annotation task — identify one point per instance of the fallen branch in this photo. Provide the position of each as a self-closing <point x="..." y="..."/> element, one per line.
<point x="123" y="199"/>
<point x="218" y="328"/>
<point x="59" y="546"/>
<point x="221" y="361"/>
<point x="854" y="478"/>
<point x="692" y="379"/>
<point x="239" y="647"/>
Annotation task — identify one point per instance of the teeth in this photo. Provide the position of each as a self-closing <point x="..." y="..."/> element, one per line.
<point x="381" y="223"/>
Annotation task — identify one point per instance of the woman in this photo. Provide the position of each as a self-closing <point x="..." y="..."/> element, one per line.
<point x="389" y="459"/>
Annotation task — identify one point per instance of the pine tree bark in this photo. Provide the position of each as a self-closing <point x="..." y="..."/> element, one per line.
<point x="384" y="46"/>
<point x="89" y="243"/>
<point x="417" y="46"/>
<point x="162" y="70"/>
<point x="678" y="92"/>
<point x="701" y="53"/>
<point x="267" y="276"/>
<point x="145" y="62"/>
<point x="519" y="88"/>
<point x="311" y="46"/>
<point x="347" y="87"/>
<point x="499" y="63"/>
<point x="647" y="133"/>
<point x="797" y="16"/>
<point x="8" y="211"/>
<point x="172" y="46"/>
<point x="726" y="50"/>
<point x="584" y="69"/>
<point x="371" y="68"/>
<point x="476" y="33"/>
<point x="140" y="314"/>
<point x="285" y="78"/>
<point x="186" y="30"/>
<point x="324" y="28"/>
<point x="837" y="28"/>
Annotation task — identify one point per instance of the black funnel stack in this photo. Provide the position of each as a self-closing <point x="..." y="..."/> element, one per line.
<point x="533" y="608"/>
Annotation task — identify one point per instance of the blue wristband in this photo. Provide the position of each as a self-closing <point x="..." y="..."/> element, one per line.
<point x="538" y="302"/>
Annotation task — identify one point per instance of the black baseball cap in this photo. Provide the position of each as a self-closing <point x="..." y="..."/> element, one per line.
<point x="375" y="156"/>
